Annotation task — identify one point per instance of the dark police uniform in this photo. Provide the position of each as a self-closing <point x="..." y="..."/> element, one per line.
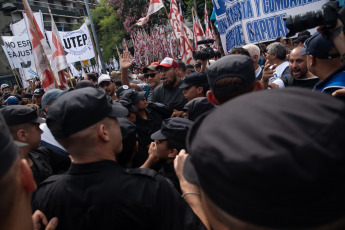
<point x="46" y="163"/>
<point x="103" y="195"/>
<point x="156" y="113"/>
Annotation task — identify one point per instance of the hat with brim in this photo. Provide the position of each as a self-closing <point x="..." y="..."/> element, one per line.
<point x="319" y="47"/>
<point x="173" y="128"/>
<point x="103" y="77"/>
<point x="168" y="63"/>
<point x="117" y="111"/>
<point x="80" y="109"/>
<point x="139" y="97"/>
<point x="150" y="67"/>
<point x="52" y="94"/>
<point x="158" y="135"/>
<point x="39" y="92"/>
<point x="132" y="95"/>
<point x="21" y="114"/>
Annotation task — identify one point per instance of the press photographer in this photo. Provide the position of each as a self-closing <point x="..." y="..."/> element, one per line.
<point x="326" y="48"/>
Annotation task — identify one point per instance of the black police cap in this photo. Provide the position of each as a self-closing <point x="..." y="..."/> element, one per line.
<point x="133" y="95"/>
<point x="197" y="107"/>
<point x="80" y="109"/>
<point x="273" y="158"/>
<point x="240" y="66"/>
<point x="20" y="114"/>
<point x="196" y="78"/>
<point x="175" y="128"/>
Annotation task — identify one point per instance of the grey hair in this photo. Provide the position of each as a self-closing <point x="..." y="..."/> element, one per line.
<point x="252" y="49"/>
<point x="278" y="49"/>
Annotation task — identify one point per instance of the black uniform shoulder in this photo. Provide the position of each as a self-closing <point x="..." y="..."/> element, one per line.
<point x="42" y="151"/>
<point x="51" y="179"/>
<point x="141" y="172"/>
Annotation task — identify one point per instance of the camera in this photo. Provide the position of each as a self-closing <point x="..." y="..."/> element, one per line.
<point x="206" y="53"/>
<point x="326" y="16"/>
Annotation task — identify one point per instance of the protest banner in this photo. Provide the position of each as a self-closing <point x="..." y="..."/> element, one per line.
<point x="251" y="21"/>
<point x="77" y="44"/>
<point x="18" y="49"/>
<point x="19" y="28"/>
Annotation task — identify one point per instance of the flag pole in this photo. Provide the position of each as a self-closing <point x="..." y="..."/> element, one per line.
<point x="39" y="42"/>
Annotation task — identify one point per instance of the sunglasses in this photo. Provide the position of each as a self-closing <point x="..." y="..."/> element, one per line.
<point x="149" y="75"/>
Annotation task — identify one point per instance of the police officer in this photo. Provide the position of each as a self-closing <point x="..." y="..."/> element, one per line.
<point x="23" y="123"/>
<point x="97" y="193"/>
<point x="17" y="184"/>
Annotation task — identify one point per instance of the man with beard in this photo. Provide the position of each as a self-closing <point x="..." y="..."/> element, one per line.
<point x="105" y="83"/>
<point x="169" y="92"/>
<point x="299" y="75"/>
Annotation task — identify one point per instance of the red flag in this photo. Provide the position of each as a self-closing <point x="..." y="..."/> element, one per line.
<point x="41" y="63"/>
<point x="59" y="61"/>
<point x="208" y="31"/>
<point x="175" y="18"/>
<point x="154" y="6"/>
<point x="142" y="21"/>
<point x="198" y="31"/>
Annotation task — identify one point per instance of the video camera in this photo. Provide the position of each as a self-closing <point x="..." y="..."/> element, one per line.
<point x="206" y="53"/>
<point x="327" y="16"/>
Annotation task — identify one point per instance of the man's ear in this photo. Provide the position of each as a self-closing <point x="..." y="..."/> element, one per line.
<point x="211" y="98"/>
<point x="22" y="135"/>
<point x="172" y="153"/>
<point x="46" y="107"/>
<point x="103" y="132"/>
<point x="200" y="89"/>
<point x="312" y="60"/>
<point x="27" y="178"/>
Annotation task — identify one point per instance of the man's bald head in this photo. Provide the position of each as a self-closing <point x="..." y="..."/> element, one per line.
<point x="298" y="64"/>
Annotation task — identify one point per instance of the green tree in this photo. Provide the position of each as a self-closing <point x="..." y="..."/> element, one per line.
<point x="109" y="28"/>
<point x="187" y="5"/>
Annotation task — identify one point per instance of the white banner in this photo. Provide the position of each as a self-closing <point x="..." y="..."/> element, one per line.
<point x="77" y="44"/>
<point x="19" y="28"/>
<point x="251" y="21"/>
<point x="18" y="50"/>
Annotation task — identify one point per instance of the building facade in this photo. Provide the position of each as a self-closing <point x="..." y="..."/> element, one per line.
<point x="67" y="14"/>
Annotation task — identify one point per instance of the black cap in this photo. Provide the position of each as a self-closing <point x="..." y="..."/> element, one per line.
<point x="319" y="47"/>
<point x="27" y="95"/>
<point x="8" y="150"/>
<point x="128" y="129"/>
<point x="128" y="105"/>
<point x="133" y="95"/>
<point x="190" y="67"/>
<point x="84" y="84"/>
<point x="79" y="109"/>
<point x="129" y="138"/>
<point x="175" y="128"/>
<point x="273" y="158"/>
<point x="196" y="78"/>
<point x="197" y="107"/>
<point x="20" y="114"/>
<point x="7" y="95"/>
<point x="231" y="66"/>
<point x="121" y="90"/>
<point x="39" y="92"/>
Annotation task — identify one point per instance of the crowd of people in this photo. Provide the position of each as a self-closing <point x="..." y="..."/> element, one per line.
<point x="215" y="145"/>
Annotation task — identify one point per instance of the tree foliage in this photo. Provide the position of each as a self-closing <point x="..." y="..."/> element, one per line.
<point x="109" y="28"/>
<point x="187" y="6"/>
